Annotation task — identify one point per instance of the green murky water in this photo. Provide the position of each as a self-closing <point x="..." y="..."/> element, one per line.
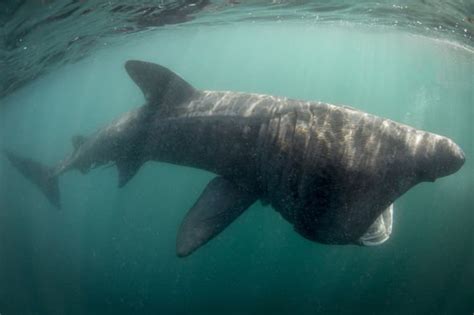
<point x="111" y="251"/>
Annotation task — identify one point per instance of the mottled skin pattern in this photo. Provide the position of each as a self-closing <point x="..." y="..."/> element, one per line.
<point x="329" y="170"/>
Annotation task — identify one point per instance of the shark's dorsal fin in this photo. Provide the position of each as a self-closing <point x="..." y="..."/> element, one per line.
<point x="218" y="206"/>
<point x="162" y="87"/>
<point x="77" y="141"/>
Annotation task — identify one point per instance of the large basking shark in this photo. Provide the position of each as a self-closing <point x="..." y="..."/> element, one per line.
<point x="331" y="171"/>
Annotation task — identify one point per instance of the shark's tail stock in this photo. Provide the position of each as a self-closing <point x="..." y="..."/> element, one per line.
<point x="39" y="174"/>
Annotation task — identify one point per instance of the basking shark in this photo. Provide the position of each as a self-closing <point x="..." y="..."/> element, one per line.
<point x="332" y="171"/>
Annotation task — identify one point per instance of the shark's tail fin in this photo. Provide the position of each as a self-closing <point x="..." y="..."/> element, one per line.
<point x="39" y="174"/>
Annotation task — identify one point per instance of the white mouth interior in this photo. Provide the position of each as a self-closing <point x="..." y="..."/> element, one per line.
<point x="380" y="230"/>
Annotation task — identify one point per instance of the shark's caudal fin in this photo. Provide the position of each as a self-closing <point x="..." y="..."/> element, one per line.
<point x="41" y="175"/>
<point x="218" y="206"/>
<point x="162" y="87"/>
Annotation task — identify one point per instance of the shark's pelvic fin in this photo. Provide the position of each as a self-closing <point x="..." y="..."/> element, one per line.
<point x="218" y="206"/>
<point x="162" y="87"/>
<point x="126" y="170"/>
<point x="40" y="175"/>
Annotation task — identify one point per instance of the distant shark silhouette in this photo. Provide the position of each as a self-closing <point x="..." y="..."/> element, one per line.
<point x="332" y="171"/>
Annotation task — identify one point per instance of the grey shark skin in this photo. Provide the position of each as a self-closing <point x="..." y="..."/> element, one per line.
<point x="331" y="171"/>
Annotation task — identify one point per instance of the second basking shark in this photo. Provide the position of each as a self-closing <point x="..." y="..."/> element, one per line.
<point x="331" y="171"/>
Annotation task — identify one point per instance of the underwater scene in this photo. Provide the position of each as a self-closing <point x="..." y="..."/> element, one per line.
<point x="236" y="157"/>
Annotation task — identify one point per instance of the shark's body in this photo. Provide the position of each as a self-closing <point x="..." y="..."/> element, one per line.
<point x="331" y="171"/>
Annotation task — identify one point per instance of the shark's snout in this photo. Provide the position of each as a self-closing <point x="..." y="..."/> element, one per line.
<point x="445" y="158"/>
<point x="450" y="157"/>
<point x="459" y="157"/>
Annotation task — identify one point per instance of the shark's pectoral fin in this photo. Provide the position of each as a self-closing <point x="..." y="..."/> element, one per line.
<point x="218" y="206"/>
<point x="162" y="87"/>
<point x="127" y="168"/>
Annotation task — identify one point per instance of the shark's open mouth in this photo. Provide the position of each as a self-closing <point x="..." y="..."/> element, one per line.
<point x="379" y="232"/>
